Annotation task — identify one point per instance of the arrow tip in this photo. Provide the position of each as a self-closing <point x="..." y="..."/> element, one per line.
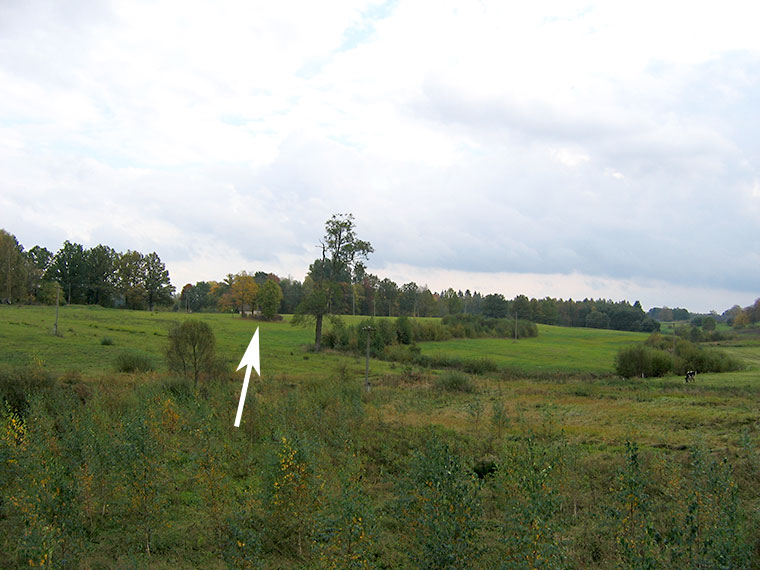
<point x="251" y="356"/>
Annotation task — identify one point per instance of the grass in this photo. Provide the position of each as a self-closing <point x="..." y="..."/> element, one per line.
<point x="567" y="372"/>
<point x="555" y="349"/>
<point x="26" y="338"/>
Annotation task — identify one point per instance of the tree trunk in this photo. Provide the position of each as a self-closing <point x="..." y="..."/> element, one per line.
<point x="318" y="334"/>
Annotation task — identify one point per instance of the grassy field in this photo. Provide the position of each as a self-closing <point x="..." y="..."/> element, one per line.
<point x="569" y="350"/>
<point x="26" y="338"/>
<point x="565" y="372"/>
<point x="554" y="401"/>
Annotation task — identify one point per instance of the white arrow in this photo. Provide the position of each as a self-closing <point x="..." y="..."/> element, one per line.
<point x="250" y="358"/>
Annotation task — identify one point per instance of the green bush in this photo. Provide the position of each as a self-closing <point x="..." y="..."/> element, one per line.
<point x="454" y="381"/>
<point x="440" y="506"/>
<point x="650" y="359"/>
<point x="638" y="360"/>
<point x="192" y="349"/>
<point x="106" y="341"/>
<point x="18" y="386"/>
<point x="133" y="362"/>
<point x="478" y="365"/>
<point x="404" y="331"/>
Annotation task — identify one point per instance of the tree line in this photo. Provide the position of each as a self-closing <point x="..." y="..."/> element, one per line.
<point x="98" y="276"/>
<point x="337" y="283"/>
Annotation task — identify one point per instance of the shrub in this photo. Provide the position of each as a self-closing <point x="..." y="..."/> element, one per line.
<point x="18" y="386"/>
<point x="106" y="341"/>
<point x="454" y="381"/>
<point x="192" y="349"/>
<point x="478" y="365"/>
<point x="644" y="359"/>
<point x="692" y="357"/>
<point x="638" y="360"/>
<point x="133" y="362"/>
<point x="441" y="509"/>
<point x="404" y="332"/>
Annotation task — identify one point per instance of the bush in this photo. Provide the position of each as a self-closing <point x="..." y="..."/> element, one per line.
<point x="454" y="381"/>
<point x="133" y="362"/>
<point x="478" y="366"/>
<point x="18" y="386"/>
<point x="440" y="509"/>
<point x="693" y="357"/>
<point x="638" y="360"/>
<point x="192" y="349"/>
<point x="650" y="360"/>
<point x="404" y="332"/>
<point x="106" y="341"/>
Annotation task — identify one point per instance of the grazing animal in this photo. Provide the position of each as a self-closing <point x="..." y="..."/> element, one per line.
<point x="690" y="376"/>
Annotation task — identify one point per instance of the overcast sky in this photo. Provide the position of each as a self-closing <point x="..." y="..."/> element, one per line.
<point x="571" y="149"/>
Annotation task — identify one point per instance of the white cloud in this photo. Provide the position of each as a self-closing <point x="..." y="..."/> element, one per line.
<point x="558" y="138"/>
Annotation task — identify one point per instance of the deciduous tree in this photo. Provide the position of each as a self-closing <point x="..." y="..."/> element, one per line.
<point x="158" y="287"/>
<point x="69" y="269"/>
<point x="100" y="266"/>
<point x="13" y="268"/>
<point x="494" y="306"/>
<point x="129" y="278"/>
<point x="270" y="296"/>
<point x="341" y="251"/>
<point x="242" y="292"/>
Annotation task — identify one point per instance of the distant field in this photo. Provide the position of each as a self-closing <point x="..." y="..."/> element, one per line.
<point x="555" y="349"/>
<point x="26" y="337"/>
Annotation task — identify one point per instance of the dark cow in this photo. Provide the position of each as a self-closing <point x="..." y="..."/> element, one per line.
<point x="690" y="376"/>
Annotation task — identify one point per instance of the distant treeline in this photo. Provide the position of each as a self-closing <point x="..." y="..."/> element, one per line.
<point x="103" y="276"/>
<point x="736" y="316"/>
<point x="371" y="296"/>
<point x="97" y="276"/>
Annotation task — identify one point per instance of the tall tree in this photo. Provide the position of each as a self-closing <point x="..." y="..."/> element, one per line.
<point x="69" y="269"/>
<point x="13" y="269"/>
<point x="495" y="306"/>
<point x="196" y="297"/>
<point x="243" y="292"/>
<point x="341" y="251"/>
<point x="427" y="305"/>
<point x="521" y="308"/>
<point x="407" y="300"/>
<point x="130" y="279"/>
<point x="100" y="267"/>
<point x="270" y="296"/>
<point x="453" y="303"/>
<point x="158" y="287"/>
<point x="39" y="259"/>
<point x="371" y="284"/>
<point x="292" y="294"/>
<point x="388" y="292"/>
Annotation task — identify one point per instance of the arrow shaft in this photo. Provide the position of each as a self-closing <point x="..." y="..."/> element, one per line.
<point x="242" y="395"/>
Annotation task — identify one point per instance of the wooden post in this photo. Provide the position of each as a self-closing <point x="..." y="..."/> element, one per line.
<point x="366" y="366"/>
<point x="57" y="294"/>
<point x="515" y="325"/>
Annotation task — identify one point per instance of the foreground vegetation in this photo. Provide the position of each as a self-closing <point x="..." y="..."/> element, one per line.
<point x="550" y="460"/>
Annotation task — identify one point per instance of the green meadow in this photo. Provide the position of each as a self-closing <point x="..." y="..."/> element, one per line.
<point x="561" y="349"/>
<point x="548" y="461"/>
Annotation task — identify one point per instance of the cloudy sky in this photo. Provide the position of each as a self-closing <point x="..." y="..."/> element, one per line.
<point x="571" y="149"/>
